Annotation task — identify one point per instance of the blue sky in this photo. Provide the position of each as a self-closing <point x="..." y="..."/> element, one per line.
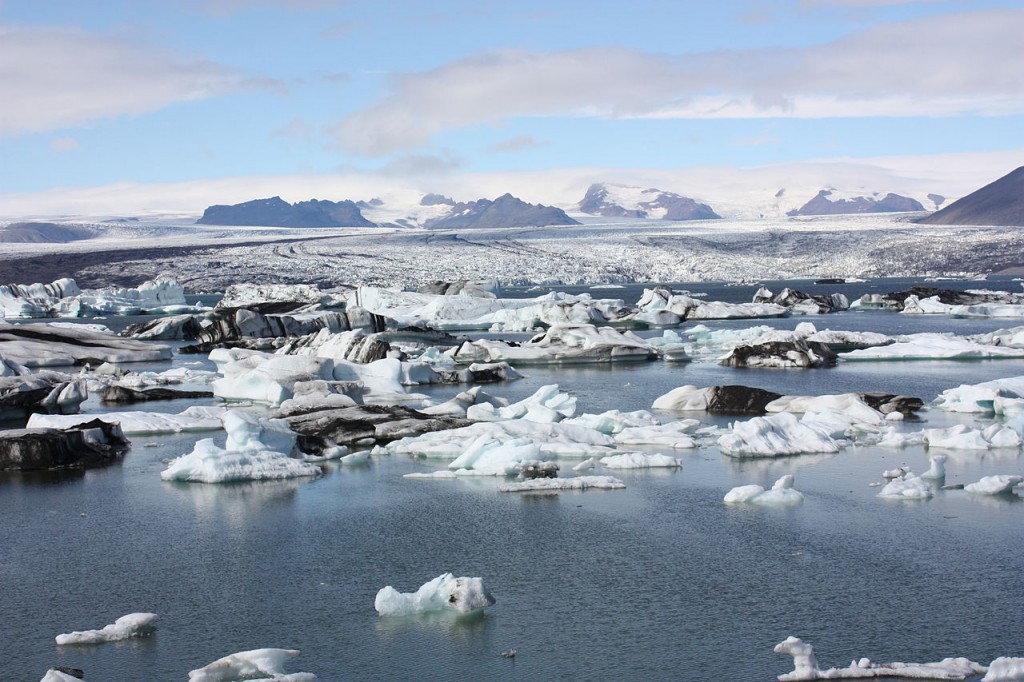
<point x="151" y="92"/>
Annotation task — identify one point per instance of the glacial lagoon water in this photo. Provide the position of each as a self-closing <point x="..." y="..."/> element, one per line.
<point x="660" y="581"/>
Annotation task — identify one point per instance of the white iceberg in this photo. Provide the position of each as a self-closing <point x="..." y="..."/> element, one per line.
<point x="781" y="494"/>
<point x="639" y="460"/>
<point x="936" y="468"/>
<point x="445" y="593"/>
<point x="135" y="422"/>
<point x="994" y="485"/>
<point x="930" y="346"/>
<point x="547" y="404"/>
<point x="265" y="664"/>
<point x="558" y="484"/>
<point x="1005" y="669"/>
<point x="907" y="487"/>
<point x="806" y="667"/>
<point x="774" y="436"/>
<point x="957" y="437"/>
<point x="125" y="627"/>
<point x="980" y="398"/>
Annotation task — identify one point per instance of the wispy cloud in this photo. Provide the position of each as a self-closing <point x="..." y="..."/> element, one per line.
<point x="943" y="65"/>
<point x="517" y="143"/>
<point x="64" y="144"/>
<point x="53" y="78"/>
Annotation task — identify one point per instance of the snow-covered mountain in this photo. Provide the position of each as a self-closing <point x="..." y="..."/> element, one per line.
<point x="620" y="201"/>
<point x="831" y="202"/>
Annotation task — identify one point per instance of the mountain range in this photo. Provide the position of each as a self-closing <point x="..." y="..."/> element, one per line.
<point x="620" y="201"/>
<point x="821" y="204"/>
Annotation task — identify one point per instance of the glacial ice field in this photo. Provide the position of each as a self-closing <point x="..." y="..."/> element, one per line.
<point x="641" y="570"/>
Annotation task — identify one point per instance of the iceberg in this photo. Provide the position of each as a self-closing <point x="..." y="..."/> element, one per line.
<point x="265" y="664"/>
<point x="980" y="398"/>
<point x="132" y="625"/>
<point x="994" y="485"/>
<point x="561" y="345"/>
<point x="547" y="404"/>
<point x="774" y="436"/>
<point x="639" y="460"/>
<point x="1005" y="669"/>
<point x="133" y="422"/>
<point x="930" y="346"/>
<point x="256" y="449"/>
<point x="40" y="344"/>
<point x="445" y="593"/>
<point x="907" y="487"/>
<point x="63" y="298"/>
<point x="806" y="667"/>
<point x="559" y="484"/>
<point x="781" y="494"/>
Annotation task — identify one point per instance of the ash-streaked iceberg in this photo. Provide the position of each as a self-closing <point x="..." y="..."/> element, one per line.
<point x="445" y="593"/>
<point x="131" y="625"/>
<point x="582" y="344"/>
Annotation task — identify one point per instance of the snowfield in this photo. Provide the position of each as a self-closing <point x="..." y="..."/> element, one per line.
<point x="605" y="251"/>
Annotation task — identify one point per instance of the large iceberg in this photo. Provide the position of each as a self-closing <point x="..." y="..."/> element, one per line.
<point x="133" y="422"/>
<point x="131" y="625"/>
<point x="930" y="346"/>
<point x="258" y="665"/>
<point x="41" y="344"/>
<point x="1005" y="669"/>
<point x="777" y="435"/>
<point x="980" y="398"/>
<point x="63" y="298"/>
<point x="561" y="345"/>
<point x="445" y="593"/>
<point x="256" y="449"/>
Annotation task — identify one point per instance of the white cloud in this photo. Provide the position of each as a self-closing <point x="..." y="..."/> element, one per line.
<point x="730" y="190"/>
<point x="54" y="78"/>
<point x="943" y="65"/>
<point x="517" y="143"/>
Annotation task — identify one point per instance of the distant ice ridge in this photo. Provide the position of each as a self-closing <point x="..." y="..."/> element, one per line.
<point x="781" y="494"/>
<point x="256" y="449"/>
<point x="256" y="665"/>
<point x="445" y="593"/>
<point x="131" y="625"/>
<point x="806" y="667"/>
<point x="63" y="298"/>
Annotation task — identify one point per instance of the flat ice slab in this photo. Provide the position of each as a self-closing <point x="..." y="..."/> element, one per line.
<point x="264" y="664"/>
<point x="132" y="625"/>
<point x="806" y="667"/>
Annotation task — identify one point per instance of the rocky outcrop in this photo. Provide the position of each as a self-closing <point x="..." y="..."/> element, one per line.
<point x="822" y="205"/>
<point x="436" y="200"/>
<point x="1000" y="203"/>
<point x="505" y="211"/>
<point x="275" y="212"/>
<point x="90" y="444"/>
<point x="616" y="201"/>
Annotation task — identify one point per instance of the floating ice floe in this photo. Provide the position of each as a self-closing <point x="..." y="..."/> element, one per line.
<point x="933" y="306"/>
<point x="265" y="664"/>
<point x="908" y="486"/>
<point x="558" y="484"/>
<point x="639" y="460"/>
<point x="933" y="347"/>
<point x="134" y="422"/>
<point x="246" y="294"/>
<point x="54" y="675"/>
<point x="125" y="627"/>
<point x="774" y="436"/>
<point x="256" y="449"/>
<point x="781" y="494"/>
<point x="547" y="404"/>
<point x="780" y="348"/>
<point x="561" y="345"/>
<point x="40" y="344"/>
<point x="806" y="667"/>
<point x="654" y="303"/>
<point x="44" y="393"/>
<point x="445" y="593"/>
<point x="994" y="485"/>
<point x="984" y="398"/>
<point x="936" y="468"/>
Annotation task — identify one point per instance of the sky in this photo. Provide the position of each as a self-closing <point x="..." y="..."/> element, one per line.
<point x="172" y="104"/>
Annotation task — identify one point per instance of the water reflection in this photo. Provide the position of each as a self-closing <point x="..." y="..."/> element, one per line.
<point x="460" y="625"/>
<point x="235" y="503"/>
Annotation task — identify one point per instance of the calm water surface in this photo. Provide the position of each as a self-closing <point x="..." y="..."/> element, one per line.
<point x="657" y="581"/>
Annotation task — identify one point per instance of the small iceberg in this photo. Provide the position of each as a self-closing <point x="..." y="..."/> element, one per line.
<point x="264" y="664"/>
<point x="907" y="487"/>
<point x="639" y="460"/>
<point x="994" y="485"/>
<point x="125" y="627"/>
<point x="557" y="484"/>
<point x="780" y="495"/>
<point x="445" y="593"/>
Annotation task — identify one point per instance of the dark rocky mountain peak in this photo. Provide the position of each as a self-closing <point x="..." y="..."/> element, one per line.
<point x="275" y="212"/>
<point x="999" y="203"/>
<point x="821" y="204"/>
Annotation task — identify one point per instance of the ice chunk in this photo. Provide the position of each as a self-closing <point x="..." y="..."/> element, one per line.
<point x="546" y="405"/>
<point x="933" y="347"/>
<point x="907" y="487"/>
<point x="134" y="422"/>
<point x="936" y="468"/>
<point x="443" y="593"/>
<point x="994" y="485"/>
<point x="959" y="437"/>
<point x="265" y="664"/>
<point x="639" y="460"/>
<point x="488" y="456"/>
<point x="780" y="495"/>
<point x="1005" y="669"/>
<point x="131" y="625"/>
<point x="577" y="483"/>
<point x="54" y="675"/>
<point x="774" y="436"/>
